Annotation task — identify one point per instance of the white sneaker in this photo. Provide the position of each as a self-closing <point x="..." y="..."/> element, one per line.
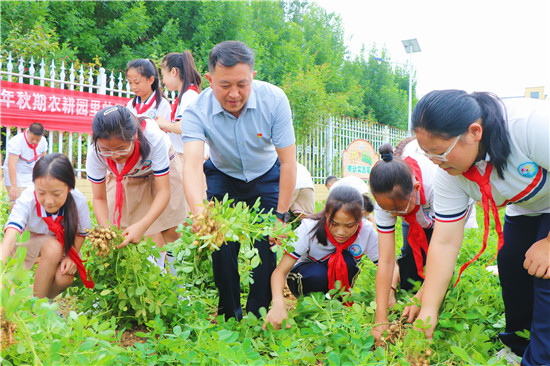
<point x="510" y="357"/>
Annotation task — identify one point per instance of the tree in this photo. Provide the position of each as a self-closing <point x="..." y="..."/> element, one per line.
<point x="298" y="45"/>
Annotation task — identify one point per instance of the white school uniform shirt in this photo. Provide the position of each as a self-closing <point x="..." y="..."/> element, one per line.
<point x="158" y="161"/>
<point x="525" y="189"/>
<point x="25" y="216"/>
<point x="303" y="177"/>
<point x="186" y="99"/>
<point x="163" y="110"/>
<point x="308" y="249"/>
<point x="26" y="161"/>
<point x="385" y="221"/>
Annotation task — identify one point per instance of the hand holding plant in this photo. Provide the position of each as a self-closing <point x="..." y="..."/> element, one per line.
<point x="133" y="234"/>
<point x="411" y="310"/>
<point x="276" y="316"/>
<point x="379" y="329"/>
<point x="426" y="322"/>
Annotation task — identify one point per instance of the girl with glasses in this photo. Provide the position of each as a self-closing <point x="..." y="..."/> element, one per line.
<point x="137" y="184"/>
<point x="501" y="159"/>
<point x="402" y="185"/>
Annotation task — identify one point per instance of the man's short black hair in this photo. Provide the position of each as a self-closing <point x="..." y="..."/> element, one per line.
<point x="230" y="53"/>
<point x="36" y="129"/>
<point x="330" y="179"/>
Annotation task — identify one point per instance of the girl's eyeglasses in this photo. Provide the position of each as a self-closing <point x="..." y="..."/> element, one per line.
<point x="403" y="212"/>
<point x="442" y="157"/>
<point x="116" y="152"/>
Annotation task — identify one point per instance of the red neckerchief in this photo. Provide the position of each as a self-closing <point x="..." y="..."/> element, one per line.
<point x="416" y="236"/>
<point x="417" y="239"/>
<point x="56" y="227"/>
<point x="176" y="103"/>
<point x="119" y="193"/>
<point x="337" y="267"/>
<point x="32" y="146"/>
<point x="483" y="182"/>
<point x="144" y="107"/>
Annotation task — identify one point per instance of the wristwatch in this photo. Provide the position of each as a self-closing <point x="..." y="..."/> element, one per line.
<point x="283" y="217"/>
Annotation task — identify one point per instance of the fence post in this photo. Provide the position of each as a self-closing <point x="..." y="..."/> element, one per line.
<point x="52" y="74"/>
<point x="42" y="73"/>
<point x="62" y="75"/>
<point x="102" y="82"/>
<point x="330" y="146"/>
<point x="31" y="71"/>
<point x="9" y="67"/>
<point x="71" y="77"/>
<point x="79" y="157"/>
<point x="81" y="78"/>
<point x="90" y="80"/>
<point x="21" y="69"/>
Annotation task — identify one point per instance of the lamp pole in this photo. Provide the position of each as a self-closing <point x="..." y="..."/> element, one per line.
<point x="411" y="46"/>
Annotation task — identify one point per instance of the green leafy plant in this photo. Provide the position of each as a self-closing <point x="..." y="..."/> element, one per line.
<point x="222" y="222"/>
<point x="128" y="285"/>
<point x="36" y="334"/>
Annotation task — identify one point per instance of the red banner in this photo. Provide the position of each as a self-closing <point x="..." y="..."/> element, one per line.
<point x="56" y="109"/>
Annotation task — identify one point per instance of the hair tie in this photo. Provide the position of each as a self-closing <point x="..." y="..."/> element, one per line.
<point x="110" y="110"/>
<point x="387" y="156"/>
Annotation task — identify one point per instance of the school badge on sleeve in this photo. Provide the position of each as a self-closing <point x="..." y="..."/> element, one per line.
<point x="355" y="250"/>
<point x="528" y="169"/>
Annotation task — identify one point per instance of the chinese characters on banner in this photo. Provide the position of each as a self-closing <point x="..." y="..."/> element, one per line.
<point x="55" y="109"/>
<point x="358" y="159"/>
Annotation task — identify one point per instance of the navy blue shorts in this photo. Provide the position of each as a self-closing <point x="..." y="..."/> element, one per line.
<point x="307" y="277"/>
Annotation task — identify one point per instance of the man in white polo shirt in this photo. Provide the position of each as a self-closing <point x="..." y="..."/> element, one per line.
<point x="22" y="152"/>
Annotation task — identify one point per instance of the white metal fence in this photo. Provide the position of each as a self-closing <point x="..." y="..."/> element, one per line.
<point x="321" y="151"/>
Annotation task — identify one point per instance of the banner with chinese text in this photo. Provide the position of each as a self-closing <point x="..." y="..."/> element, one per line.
<point x="56" y="109"/>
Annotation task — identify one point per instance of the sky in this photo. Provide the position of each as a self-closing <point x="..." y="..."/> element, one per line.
<point x="483" y="45"/>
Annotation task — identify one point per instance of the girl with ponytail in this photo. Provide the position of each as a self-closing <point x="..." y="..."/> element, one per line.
<point x="401" y="183"/>
<point x="143" y="76"/>
<point x="56" y="215"/>
<point x="495" y="152"/>
<point x="136" y="182"/>
<point x="179" y="74"/>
